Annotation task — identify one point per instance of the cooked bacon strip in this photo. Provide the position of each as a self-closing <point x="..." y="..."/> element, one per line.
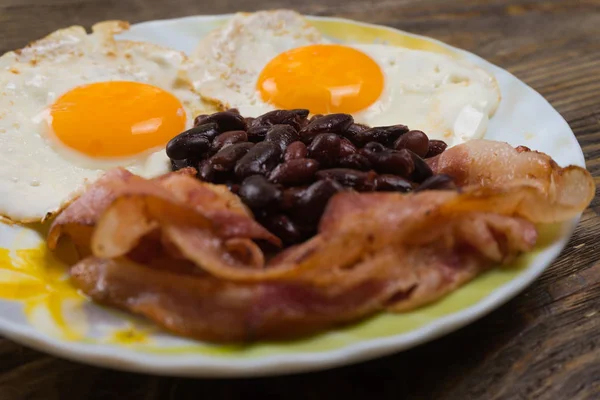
<point x="123" y="200"/>
<point x="556" y="193"/>
<point x="217" y="310"/>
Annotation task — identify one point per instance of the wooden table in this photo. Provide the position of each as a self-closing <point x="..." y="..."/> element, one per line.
<point x="543" y="344"/>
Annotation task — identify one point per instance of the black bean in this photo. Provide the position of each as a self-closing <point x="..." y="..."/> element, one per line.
<point x="192" y="143"/>
<point x="373" y="147"/>
<point x="283" y="227"/>
<point x="257" y="133"/>
<point x="382" y="134"/>
<point x="294" y="172"/>
<point x="356" y="161"/>
<point x="397" y="162"/>
<point x="179" y="164"/>
<point x="313" y="200"/>
<point x="359" y="180"/>
<point x="415" y="141"/>
<point x="291" y="196"/>
<point x="346" y="148"/>
<point x="325" y="148"/>
<point x="206" y="171"/>
<point x="227" y="139"/>
<point x="257" y="192"/>
<point x="295" y="150"/>
<point x="260" y="160"/>
<point x="226" y="159"/>
<point x="353" y="130"/>
<point x="200" y="117"/>
<point x="226" y="121"/>
<point x="436" y="147"/>
<point x="233" y="187"/>
<point x="332" y="123"/>
<point x="393" y="183"/>
<point x="282" y="136"/>
<point x="422" y="170"/>
<point x="301" y="112"/>
<point x="249" y="121"/>
<point x="437" y="182"/>
<point x="279" y="117"/>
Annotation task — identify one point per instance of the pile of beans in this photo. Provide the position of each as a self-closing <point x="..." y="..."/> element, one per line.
<point x="286" y="166"/>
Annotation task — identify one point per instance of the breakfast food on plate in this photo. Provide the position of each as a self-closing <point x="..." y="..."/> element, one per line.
<point x="75" y="104"/>
<point x="275" y="59"/>
<point x="193" y="257"/>
<point x="300" y="205"/>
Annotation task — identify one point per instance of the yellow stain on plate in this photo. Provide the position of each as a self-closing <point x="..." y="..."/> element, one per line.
<point x="128" y="336"/>
<point x="39" y="280"/>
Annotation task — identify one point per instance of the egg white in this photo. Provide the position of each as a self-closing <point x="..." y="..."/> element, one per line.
<point x="448" y="98"/>
<point x="226" y="64"/>
<point x="38" y="175"/>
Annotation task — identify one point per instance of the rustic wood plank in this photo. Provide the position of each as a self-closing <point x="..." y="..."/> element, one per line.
<point x="544" y="344"/>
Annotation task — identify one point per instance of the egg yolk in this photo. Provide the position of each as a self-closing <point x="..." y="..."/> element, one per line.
<point x="117" y="118"/>
<point x="323" y="78"/>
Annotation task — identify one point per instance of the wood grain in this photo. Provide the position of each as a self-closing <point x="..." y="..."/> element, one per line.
<point x="544" y="344"/>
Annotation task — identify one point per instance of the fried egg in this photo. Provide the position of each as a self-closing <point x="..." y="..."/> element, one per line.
<point x="276" y="59"/>
<point x="73" y="105"/>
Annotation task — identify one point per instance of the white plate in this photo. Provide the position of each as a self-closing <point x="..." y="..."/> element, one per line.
<point x="46" y="314"/>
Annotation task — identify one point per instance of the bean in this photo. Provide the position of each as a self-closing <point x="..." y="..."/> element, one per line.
<point x="373" y="147"/>
<point x="257" y="133"/>
<point x="356" y="161"/>
<point x="325" y="148"/>
<point x="283" y="227"/>
<point x="353" y="130"/>
<point x="229" y="120"/>
<point x="382" y="134"/>
<point x="291" y="196"/>
<point x="301" y="112"/>
<point x="436" y="147"/>
<point x="249" y="121"/>
<point x="179" y="164"/>
<point x="259" y="160"/>
<point x="226" y="159"/>
<point x="397" y="162"/>
<point x="294" y="172"/>
<point x="333" y="123"/>
<point x="392" y="183"/>
<point x="282" y="136"/>
<point x="422" y="170"/>
<point x="192" y="143"/>
<point x="437" y="182"/>
<point x="257" y="192"/>
<point x="370" y="149"/>
<point x="359" y="180"/>
<point x="295" y="150"/>
<point x="233" y="187"/>
<point x="227" y="139"/>
<point x="279" y="117"/>
<point x="346" y="148"/>
<point x="313" y="200"/>
<point x="415" y="141"/>
<point x="206" y="171"/>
